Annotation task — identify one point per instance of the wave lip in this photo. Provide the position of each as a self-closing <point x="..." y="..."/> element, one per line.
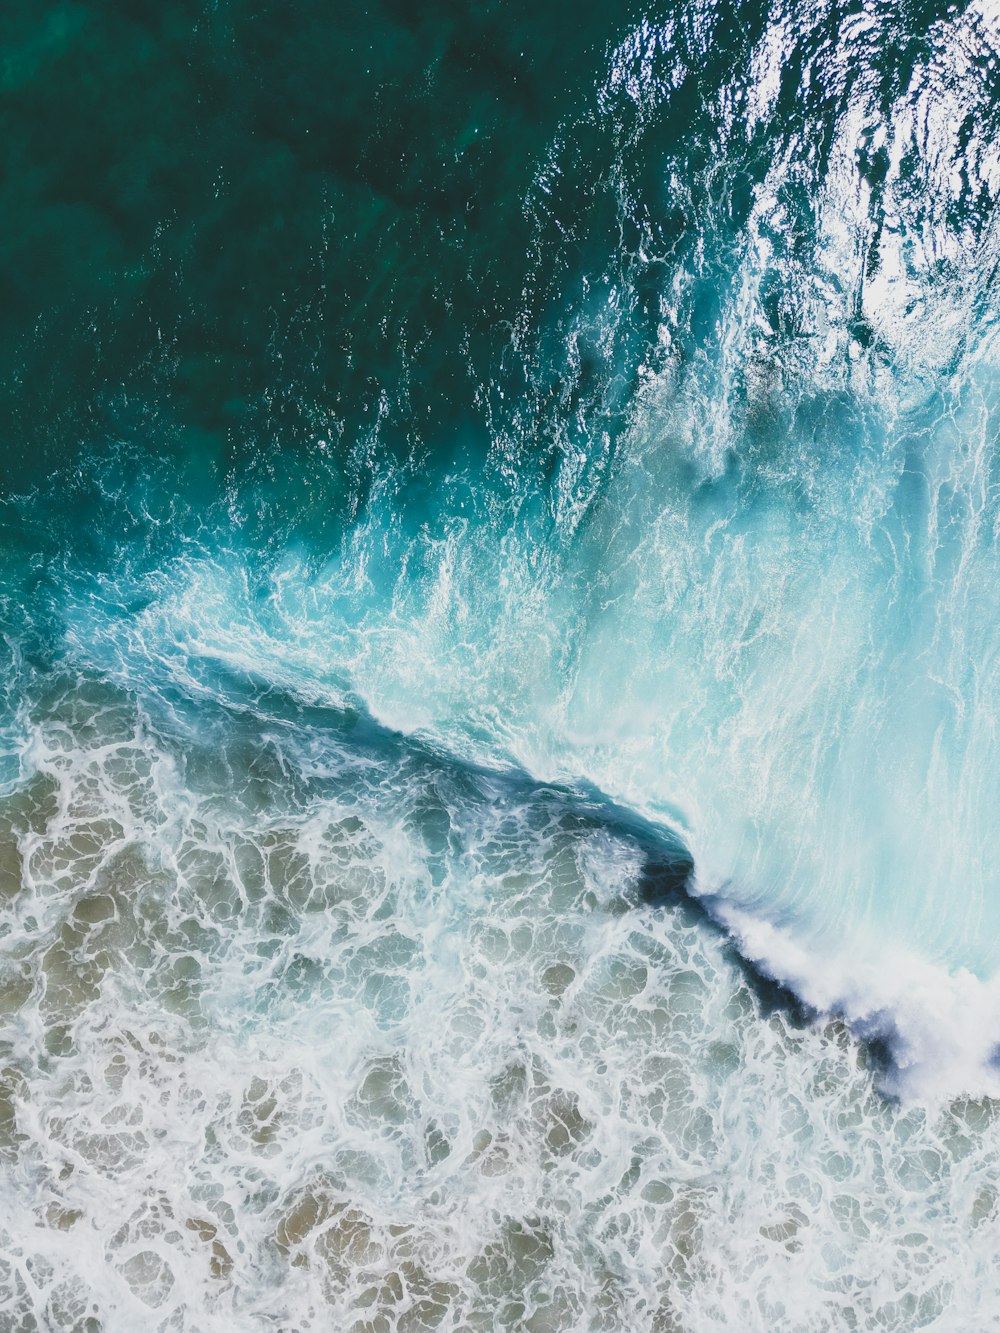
<point x="942" y="1027"/>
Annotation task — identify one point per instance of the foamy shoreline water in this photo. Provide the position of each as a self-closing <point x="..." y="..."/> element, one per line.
<point x="361" y="1042"/>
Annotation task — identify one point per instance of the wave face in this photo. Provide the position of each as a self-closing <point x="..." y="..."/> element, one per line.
<point x="500" y="567"/>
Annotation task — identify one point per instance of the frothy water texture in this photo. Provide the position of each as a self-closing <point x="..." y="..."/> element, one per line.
<point x="498" y="730"/>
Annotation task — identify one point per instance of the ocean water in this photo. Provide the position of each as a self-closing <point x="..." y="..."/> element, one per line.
<point x="501" y="677"/>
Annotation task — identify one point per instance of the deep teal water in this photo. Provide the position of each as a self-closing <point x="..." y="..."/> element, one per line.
<point x="474" y="475"/>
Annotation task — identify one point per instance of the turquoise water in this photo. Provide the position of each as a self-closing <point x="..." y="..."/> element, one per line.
<point x="498" y="776"/>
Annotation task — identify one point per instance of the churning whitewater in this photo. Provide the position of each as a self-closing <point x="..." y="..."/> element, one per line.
<point x="499" y="785"/>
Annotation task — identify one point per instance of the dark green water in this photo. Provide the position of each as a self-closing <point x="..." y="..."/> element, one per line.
<point x="470" y="470"/>
<point x="233" y="228"/>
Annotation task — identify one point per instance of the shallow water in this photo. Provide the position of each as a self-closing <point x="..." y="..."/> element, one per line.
<point x="499" y="710"/>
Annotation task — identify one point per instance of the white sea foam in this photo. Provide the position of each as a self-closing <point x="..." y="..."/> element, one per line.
<point x="403" y="1047"/>
<point x="941" y="1025"/>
